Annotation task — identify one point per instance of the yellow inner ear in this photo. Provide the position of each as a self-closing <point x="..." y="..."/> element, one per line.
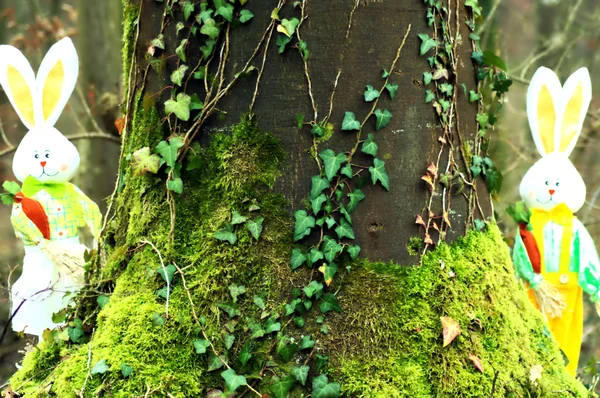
<point x="546" y="119"/>
<point x="571" y="118"/>
<point x="53" y="89"/>
<point x="22" y="95"/>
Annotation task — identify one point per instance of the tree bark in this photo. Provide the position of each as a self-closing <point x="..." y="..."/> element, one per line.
<point x="190" y="297"/>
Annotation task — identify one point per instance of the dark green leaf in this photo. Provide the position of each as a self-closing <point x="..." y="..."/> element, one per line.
<point x="286" y="350"/>
<point x="332" y="162"/>
<point x="201" y="346"/>
<point x="313" y="289"/>
<point x="157" y="320"/>
<point x="477" y="56"/>
<point x="353" y="251"/>
<point x="229" y="309"/>
<point x="331" y="248"/>
<point x="245" y="354"/>
<point x="493" y="180"/>
<point x="355" y="198"/>
<point x="369" y="146"/>
<point x="281" y="387"/>
<point x="314" y="255"/>
<point x="303" y="224"/>
<point x="175" y="185"/>
<point x="102" y="300"/>
<point x="299" y="321"/>
<point x="246" y="15"/>
<point x="215" y="362"/>
<point x="237" y="218"/>
<point x="318" y="185"/>
<point x="236" y="290"/>
<point x="306" y="343"/>
<point x="392" y="88"/>
<point x="383" y="118"/>
<point x="126" y="370"/>
<point x="350" y="123"/>
<point x="298" y="258"/>
<point x="330" y="303"/>
<point x="317" y="203"/>
<point x="226" y="234"/>
<point x="180" y="51"/>
<point x="233" y="381"/>
<point x="344" y="230"/>
<point x="370" y="94"/>
<point x="322" y="389"/>
<point x="427" y="43"/>
<point x="282" y="41"/>
<point x="272" y="325"/>
<point x="347" y="170"/>
<point x="303" y="49"/>
<point x="378" y="173"/>
<point x="255" y="227"/>
<point x="300" y="120"/>
<point x="180" y="106"/>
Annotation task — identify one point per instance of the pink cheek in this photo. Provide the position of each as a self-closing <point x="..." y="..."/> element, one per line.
<point x="531" y="195"/>
<point x="63" y="168"/>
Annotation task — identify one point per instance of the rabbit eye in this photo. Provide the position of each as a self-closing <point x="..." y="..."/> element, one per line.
<point x="557" y="183"/>
<point x="47" y="156"/>
<point x="547" y="182"/>
<point x="37" y="156"/>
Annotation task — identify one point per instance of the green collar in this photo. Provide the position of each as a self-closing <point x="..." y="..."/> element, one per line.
<point x="32" y="185"/>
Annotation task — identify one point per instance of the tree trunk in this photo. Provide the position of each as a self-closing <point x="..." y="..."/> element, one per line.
<point x="193" y="292"/>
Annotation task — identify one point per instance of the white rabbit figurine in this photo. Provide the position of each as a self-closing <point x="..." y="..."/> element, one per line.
<point x="562" y="255"/>
<point x="49" y="211"/>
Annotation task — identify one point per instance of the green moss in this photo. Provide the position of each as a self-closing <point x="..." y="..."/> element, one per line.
<point x="414" y="246"/>
<point x="130" y="13"/>
<point x="388" y="341"/>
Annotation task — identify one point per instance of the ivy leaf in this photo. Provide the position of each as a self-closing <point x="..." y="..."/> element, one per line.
<point x="371" y="94"/>
<point x="329" y="272"/>
<point x="392" y="88"/>
<point x="344" y="230"/>
<point x="180" y="107"/>
<point x="473" y="96"/>
<point x="236" y="290"/>
<point x="353" y="251"/>
<point x="245" y="354"/>
<point x="201" y="345"/>
<point x="300" y="373"/>
<point x="322" y="389"/>
<point x="427" y="77"/>
<point x="167" y="273"/>
<point x="188" y="9"/>
<point x="207" y="49"/>
<point x="303" y="49"/>
<point x="233" y="381"/>
<point x="99" y="368"/>
<point x="229" y="340"/>
<point x="317" y="203"/>
<point x="210" y="28"/>
<point x="477" y="56"/>
<point x="429" y="96"/>
<point x="168" y="151"/>
<point x="126" y="370"/>
<point x="331" y="248"/>
<point x="288" y="27"/>
<point x="272" y="326"/>
<point x="493" y="180"/>
<point x="347" y="170"/>
<point x="330" y="303"/>
<point x="159" y="42"/>
<point x="303" y="224"/>
<point x="369" y="146"/>
<point x="175" y="185"/>
<point x="237" y="218"/>
<point x="281" y="387"/>
<point x="318" y="130"/>
<point x="178" y="74"/>
<point x="246" y="15"/>
<point x="332" y="162"/>
<point x="178" y="28"/>
<point x="378" y="173"/>
<point x="385" y="74"/>
<point x="298" y="258"/>
<point x="229" y="309"/>
<point x="215" y="362"/>
<point x="180" y="51"/>
<point x="314" y="288"/>
<point x="314" y="255"/>
<point x="355" y="198"/>
<point x="259" y="301"/>
<point x="427" y="43"/>
<point x="350" y="123"/>
<point x="226" y="234"/>
<point x="255" y="227"/>
<point x="383" y="118"/>
<point x="282" y="42"/>
<point x="102" y="300"/>
<point x="318" y="185"/>
<point x="256" y="331"/>
<point x="306" y="343"/>
<point x="143" y="162"/>
<point x="226" y="11"/>
<point x="450" y="329"/>
<point x="474" y="4"/>
<point x="285" y="350"/>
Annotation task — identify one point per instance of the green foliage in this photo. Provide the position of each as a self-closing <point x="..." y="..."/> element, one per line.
<point x="11" y="188"/>
<point x="179" y="106"/>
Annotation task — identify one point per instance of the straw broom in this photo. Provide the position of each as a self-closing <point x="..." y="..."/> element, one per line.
<point x="549" y="299"/>
<point x="68" y="261"/>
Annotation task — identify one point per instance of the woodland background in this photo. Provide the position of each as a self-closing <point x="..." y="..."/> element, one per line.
<point x="561" y="34"/>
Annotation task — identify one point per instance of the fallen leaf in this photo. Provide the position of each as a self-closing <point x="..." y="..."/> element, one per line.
<point x="450" y="329"/>
<point x="420" y="221"/>
<point x="120" y="124"/>
<point x="432" y="169"/>
<point x="535" y="373"/>
<point x="476" y="361"/>
<point x="428" y="180"/>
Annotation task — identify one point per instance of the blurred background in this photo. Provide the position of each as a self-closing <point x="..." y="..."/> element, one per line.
<point x="33" y="26"/>
<point x="560" y="34"/>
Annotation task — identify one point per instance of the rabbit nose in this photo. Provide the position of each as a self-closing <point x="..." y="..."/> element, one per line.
<point x="550" y="190"/>
<point x="43" y="164"/>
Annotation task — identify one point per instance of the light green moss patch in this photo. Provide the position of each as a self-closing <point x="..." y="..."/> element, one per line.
<point x="388" y="341"/>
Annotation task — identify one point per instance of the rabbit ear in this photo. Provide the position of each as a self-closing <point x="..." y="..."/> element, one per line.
<point x="18" y="80"/>
<point x="542" y="104"/>
<point x="575" y="101"/>
<point x="56" y="79"/>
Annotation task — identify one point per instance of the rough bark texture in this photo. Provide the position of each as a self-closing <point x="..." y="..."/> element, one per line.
<point x="387" y="339"/>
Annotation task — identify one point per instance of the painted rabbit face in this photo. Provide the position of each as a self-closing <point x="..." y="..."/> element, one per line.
<point x="47" y="155"/>
<point x="44" y="153"/>
<point x="556" y="115"/>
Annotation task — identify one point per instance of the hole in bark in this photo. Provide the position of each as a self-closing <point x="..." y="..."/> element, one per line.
<point x="374" y="227"/>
